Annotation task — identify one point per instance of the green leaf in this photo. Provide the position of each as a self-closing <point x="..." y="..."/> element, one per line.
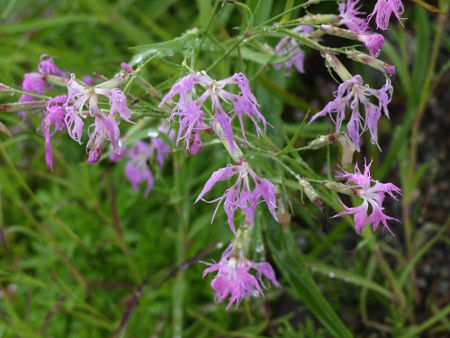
<point x="288" y="259"/>
<point x="167" y="48"/>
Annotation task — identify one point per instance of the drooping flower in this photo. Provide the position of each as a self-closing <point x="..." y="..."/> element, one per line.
<point x="383" y="11"/>
<point x="373" y="194"/>
<point x="234" y="280"/>
<point x="241" y="195"/>
<point x="373" y="42"/>
<point x="349" y="16"/>
<point x="189" y="109"/>
<point x="354" y="94"/>
<point x="82" y="102"/>
<point x="290" y="47"/>
<point x="52" y="122"/>
<point x="137" y="169"/>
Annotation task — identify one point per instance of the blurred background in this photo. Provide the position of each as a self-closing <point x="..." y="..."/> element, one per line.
<point x="84" y="255"/>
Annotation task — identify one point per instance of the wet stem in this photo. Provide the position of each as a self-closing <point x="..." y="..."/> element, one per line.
<point x="182" y="209"/>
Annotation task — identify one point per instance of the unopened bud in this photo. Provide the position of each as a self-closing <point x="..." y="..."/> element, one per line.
<point x="310" y="192"/>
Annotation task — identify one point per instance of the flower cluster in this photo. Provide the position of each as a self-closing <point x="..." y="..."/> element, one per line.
<point x="68" y="112"/>
<point x="240" y="195"/>
<point x="354" y="94"/>
<point x="372" y="193"/>
<point x="234" y="280"/>
<point x="190" y="108"/>
<point x="198" y="104"/>
<point x="83" y="102"/>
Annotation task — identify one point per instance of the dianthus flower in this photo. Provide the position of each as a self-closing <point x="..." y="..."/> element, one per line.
<point x="290" y="47"/>
<point x="35" y="82"/>
<point x="240" y="195"/>
<point x="189" y="108"/>
<point x="353" y="94"/>
<point x="137" y="169"/>
<point x="348" y="13"/>
<point x="52" y="122"/>
<point x="372" y="193"/>
<point x="105" y="125"/>
<point x="233" y="279"/>
<point x="383" y="11"/>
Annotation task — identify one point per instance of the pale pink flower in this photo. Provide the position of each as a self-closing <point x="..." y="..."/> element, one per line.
<point x="82" y="103"/>
<point x="353" y="94"/>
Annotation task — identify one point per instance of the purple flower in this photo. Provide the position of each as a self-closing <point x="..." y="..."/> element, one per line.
<point x="383" y="11"/>
<point x="241" y="195"/>
<point x="137" y="169"/>
<point x="52" y="122"/>
<point x="47" y="67"/>
<point x="89" y="80"/>
<point x="348" y="12"/>
<point x="190" y="113"/>
<point x="353" y="94"/>
<point x="234" y="280"/>
<point x="373" y="42"/>
<point x="160" y="146"/>
<point x="289" y="47"/>
<point x="105" y="126"/>
<point x="126" y="67"/>
<point x="34" y="83"/>
<point x="373" y="193"/>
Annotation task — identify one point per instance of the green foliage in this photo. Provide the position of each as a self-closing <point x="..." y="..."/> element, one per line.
<point x="83" y="255"/>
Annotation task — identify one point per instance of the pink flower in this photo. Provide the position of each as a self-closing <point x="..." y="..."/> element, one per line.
<point x="161" y="148"/>
<point x="36" y="82"/>
<point x="47" y="67"/>
<point x="52" y="122"/>
<point x="82" y="102"/>
<point x="353" y="94"/>
<point x="190" y="114"/>
<point x="383" y="11"/>
<point x="241" y="195"/>
<point x="234" y="280"/>
<point x="289" y="47"/>
<point x="373" y="42"/>
<point x="137" y="169"/>
<point x="372" y="193"/>
<point x="348" y="12"/>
